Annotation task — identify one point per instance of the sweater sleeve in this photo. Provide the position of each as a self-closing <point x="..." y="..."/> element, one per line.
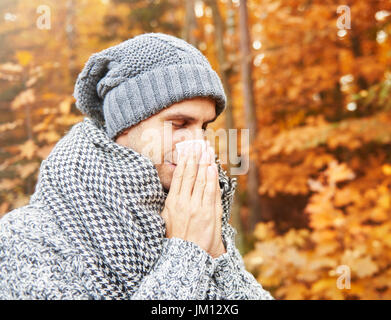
<point x="231" y="276"/>
<point x="36" y="263"/>
<point x="183" y="271"/>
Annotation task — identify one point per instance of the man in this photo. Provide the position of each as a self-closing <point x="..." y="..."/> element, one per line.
<point x="117" y="216"/>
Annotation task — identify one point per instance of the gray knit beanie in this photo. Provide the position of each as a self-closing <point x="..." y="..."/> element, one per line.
<point x="127" y="83"/>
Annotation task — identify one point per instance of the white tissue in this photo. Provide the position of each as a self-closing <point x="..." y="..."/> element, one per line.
<point x="181" y="145"/>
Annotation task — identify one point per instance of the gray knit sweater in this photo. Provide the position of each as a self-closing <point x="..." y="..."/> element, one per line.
<point x="80" y="237"/>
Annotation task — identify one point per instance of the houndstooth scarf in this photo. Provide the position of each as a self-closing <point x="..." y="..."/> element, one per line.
<point x="107" y="199"/>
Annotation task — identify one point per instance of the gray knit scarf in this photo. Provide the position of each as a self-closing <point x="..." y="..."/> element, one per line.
<point x="107" y="200"/>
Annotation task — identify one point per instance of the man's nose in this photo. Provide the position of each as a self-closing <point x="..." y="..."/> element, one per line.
<point x="193" y="135"/>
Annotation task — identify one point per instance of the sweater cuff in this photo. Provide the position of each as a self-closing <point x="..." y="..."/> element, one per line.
<point x="190" y="266"/>
<point x="227" y="263"/>
<point x="191" y="254"/>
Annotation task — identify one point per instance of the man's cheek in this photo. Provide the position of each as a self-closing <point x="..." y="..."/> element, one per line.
<point x="152" y="145"/>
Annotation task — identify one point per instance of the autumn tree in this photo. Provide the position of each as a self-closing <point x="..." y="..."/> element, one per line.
<point x="321" y="93"/>
<point x="324" y="149"/>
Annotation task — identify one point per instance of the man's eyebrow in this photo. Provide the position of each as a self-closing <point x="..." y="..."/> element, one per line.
<point x="181" y="116"/>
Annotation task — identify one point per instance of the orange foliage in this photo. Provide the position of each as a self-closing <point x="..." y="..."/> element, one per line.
<point x="312" y="145"/>
<point x="323" y="110"/>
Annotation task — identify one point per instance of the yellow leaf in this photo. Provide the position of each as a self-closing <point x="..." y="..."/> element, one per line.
<point x="43" y="125"/>
<point x="10" y="125"/>
<point x="296" y="291"/>
<point x="10" y="67"/>
<point x="386" y="169"/>
<point x="4" y="208"/>
<point x="365" y="267"/>
<point x="24" y="57"/>
<point x="327" y="288"/>
<point x="28" y="149"/>
<point x="8" y="184"/>
<point x="68" y="120"/>
<point x="324" y="284"/>
<point x="65" y="105"/>
<point x="264" y="230"/>
<point x="23" y="98"/>
<point x="339" y="172"/>
<point x="31" y="81"/>
<point x="50" y="136"/>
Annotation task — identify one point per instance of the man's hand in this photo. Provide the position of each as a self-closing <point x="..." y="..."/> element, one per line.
<point x="193" y="210"/>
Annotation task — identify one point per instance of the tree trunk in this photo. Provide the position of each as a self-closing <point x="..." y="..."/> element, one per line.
<point x="250" y="115"/>
<point x="190" y="23"/>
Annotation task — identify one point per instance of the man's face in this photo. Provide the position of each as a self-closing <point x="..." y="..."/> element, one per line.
<point x="157" y="136"/>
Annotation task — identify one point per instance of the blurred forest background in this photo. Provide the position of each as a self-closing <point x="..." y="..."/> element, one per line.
<point x="314" y="90"/>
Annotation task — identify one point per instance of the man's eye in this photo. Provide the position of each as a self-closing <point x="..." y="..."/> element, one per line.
<point x="178" y="125"/>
